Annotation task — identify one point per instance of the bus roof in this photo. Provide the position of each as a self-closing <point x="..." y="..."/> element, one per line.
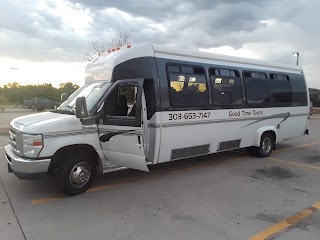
<point x="201" y="56"/>
<point x="101" y="67"/>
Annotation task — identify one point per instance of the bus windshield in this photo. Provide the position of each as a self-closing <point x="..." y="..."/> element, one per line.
<point x="93" y="92"/>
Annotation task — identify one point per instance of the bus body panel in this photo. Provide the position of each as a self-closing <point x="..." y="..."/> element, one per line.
<point x="221" y="128"/>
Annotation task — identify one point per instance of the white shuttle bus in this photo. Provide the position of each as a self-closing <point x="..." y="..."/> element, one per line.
<point x="147" y="104"/>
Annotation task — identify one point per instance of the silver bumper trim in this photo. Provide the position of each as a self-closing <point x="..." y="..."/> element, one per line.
<point x="25" y="165"/>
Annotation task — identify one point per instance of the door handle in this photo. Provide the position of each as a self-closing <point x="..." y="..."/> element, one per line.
<point x="139" y="140"/>
<point x="106" y="137"/>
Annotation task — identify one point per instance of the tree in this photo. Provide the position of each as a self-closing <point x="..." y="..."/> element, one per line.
<point x="315" y="96"/>
<point x="67" y="88"/>
<point x="11" y="91"/>
<point x="95" y="47"/>
<point x="15" y="93"/>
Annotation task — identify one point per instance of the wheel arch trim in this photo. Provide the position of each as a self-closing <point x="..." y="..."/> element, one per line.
<point x="76" y="148"/>
<point x="263" y="130"/>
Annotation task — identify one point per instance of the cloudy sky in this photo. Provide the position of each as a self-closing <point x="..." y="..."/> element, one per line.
<point x="41" y="40"/>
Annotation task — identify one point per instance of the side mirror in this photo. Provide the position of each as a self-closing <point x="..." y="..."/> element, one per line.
<point x="63" y="97"/>
<point x="81" y="108"/>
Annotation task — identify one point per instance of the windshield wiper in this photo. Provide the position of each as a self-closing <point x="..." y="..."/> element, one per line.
<point x="73" y="109"/>
<point x="62" y="111"/>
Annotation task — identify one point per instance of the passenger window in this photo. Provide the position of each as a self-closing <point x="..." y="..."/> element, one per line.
<point x="188" y="88"/>
<point x="262" y="76"/>
<point x="224" y="72"/>
<point x="233" y="74"/>
<point x="173" y="69"/>
<point x="281" y="89"/>
<point x="226" y="90"/>
<point x="121" y="102"/>
<point x="246" y="74"/>
<point x="185" y="69"/>
<point x="255" y="75"/>
<point x="215" y="72"/>
<point x="299" y="90"/>
<point x="280" y="77"/>
<point x="257" y="88"/>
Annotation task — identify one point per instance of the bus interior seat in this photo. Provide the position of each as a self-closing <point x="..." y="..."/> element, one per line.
<point x="122" y="106"/>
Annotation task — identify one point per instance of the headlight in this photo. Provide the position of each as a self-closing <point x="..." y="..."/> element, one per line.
<point x="32" y="145"/>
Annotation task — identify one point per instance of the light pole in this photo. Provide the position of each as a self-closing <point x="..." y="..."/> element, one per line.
<point x="14" y="87"/>
<point x="297" y="54"/>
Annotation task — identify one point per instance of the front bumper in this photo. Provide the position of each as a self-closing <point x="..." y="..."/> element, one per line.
<point x="25" y="168"/>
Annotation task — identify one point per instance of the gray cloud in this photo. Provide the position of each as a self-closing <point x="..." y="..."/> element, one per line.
<point x="27" y="31"/>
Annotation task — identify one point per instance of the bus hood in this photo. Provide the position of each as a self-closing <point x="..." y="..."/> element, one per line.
<point x="47" y="122"/>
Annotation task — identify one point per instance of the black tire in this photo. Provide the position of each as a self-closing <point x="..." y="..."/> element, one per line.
<point x="263" y="150"/>
<point x="77" y="164"/>
<point x="266" y="145"/>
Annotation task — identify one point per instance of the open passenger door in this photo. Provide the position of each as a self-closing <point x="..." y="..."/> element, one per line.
<point x="120" y="131"/>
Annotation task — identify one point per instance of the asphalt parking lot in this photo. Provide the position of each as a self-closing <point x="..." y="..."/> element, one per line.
<point x="228" y="196"/>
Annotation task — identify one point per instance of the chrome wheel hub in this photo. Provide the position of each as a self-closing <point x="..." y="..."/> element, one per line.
<point x="80" y="174"/>
<point x="266" y="145"/>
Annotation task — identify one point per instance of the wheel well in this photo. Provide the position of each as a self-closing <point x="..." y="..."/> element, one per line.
<point x="272" y="133"/>
<point x="72" y="149"/>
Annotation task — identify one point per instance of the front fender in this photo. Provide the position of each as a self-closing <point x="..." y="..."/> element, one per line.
<point x="54" y="142"/>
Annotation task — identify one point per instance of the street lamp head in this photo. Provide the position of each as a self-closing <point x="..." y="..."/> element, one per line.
<point x="297" y="55"/>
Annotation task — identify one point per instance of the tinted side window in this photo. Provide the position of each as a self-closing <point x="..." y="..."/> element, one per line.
<point x="257" y="88"/>
<point x="226" y="90"/>
<point x="299" y="92"/>
<point x="281" y="90"/>
<point x="121" y="102"/>
<point x="188" y="87"/>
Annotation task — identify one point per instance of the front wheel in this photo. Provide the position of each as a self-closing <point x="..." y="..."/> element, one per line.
<point x="75" y="174"/>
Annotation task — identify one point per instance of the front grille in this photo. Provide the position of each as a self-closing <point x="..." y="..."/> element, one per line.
<point x="15" y="140"/>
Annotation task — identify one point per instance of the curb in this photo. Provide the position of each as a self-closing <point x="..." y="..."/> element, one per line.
<point x="314" y="118"/>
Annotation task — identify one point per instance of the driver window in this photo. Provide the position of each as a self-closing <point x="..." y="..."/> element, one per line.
<point x="121" y="102"/>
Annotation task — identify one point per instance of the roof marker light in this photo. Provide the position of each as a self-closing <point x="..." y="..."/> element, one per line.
<point x="109" y="51"/>
<point x="128" y="46"/>
<point x="113" y="49"/>
<point x="118" y="48"/>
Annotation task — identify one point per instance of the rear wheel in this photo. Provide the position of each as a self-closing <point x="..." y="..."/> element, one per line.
<point x="266" y="146"/>
<point x="75" y="174"/>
